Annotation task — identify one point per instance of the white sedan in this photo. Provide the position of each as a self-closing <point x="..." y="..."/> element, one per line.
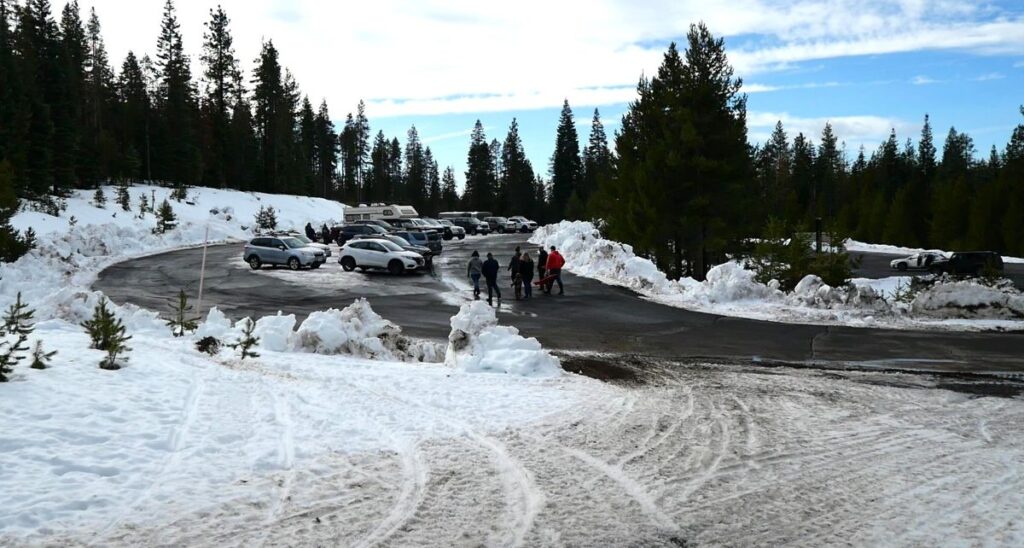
<point x="378" y="253"/>
<point x="917" y="261"/>
<point x="523" y="224"/>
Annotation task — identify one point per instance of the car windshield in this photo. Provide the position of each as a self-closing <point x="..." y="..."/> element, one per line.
<point x="302" y="238"/>
<point x="293" y="243"/>
<point x="445" y="222"/>
<point x="397" y="240"/>
<point x="389" y="245"/>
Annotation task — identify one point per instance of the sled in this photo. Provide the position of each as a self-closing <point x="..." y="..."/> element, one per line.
<point x="544" y="281"/>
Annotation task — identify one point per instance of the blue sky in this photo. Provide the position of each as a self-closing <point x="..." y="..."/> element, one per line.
<point x="867" y="66"/>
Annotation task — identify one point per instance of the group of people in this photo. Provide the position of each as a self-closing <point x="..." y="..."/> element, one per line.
<point x="521" y="270"/>
<point x="324" y="236"/>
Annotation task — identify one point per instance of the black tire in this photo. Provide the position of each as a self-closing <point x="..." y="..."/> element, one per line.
<point x="348" y="264"/>
<point x="314" y="266"/>
<point x="462" y="236"/>
<point x="396" y="267"/>
<point x="935" y="270"/>
<point x="294" y="264"/>
<point x="902" y="267"/>
<point x="254" y="262"/>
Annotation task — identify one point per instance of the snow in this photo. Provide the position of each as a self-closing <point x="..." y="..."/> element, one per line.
<point x="731" y="290"/>
<point x="856" y="246"/>
<point x="477" y="344"/>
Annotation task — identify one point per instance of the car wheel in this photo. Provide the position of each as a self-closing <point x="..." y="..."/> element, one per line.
<point x="254" y="262"/>
<point x="935" y="270"/>
<point x="348" y="264"/>
<point x="395" y="267"/>
<point x="902" y="267"/>
<point x="293" y="264"/>
<point x="462" y="237"/>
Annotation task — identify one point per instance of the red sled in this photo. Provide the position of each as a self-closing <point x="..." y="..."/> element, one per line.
<point x="544" y="281"/>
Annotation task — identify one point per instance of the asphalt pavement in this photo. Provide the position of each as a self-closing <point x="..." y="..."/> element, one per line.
<point x="590" y="317"/>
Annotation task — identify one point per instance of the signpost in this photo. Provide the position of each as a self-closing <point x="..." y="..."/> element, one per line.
<point x="202" y="273"/>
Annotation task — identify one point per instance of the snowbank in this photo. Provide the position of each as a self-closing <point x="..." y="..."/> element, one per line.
<point x="731" y="290"/>
<point x="856" y="246"/>
<point x="477" y="344"/>
<point x="55" y="277"/>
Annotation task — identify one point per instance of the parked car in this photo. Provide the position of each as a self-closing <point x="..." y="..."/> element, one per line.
<point x="430" y="240"/>
<point x="434" y="224"/>
<point x="310" y="243"/>
<point x="523" y="224"/>
<point x="271" y="250"/>
<point x="501" y="224"/>
<point x="402" y="243"/>
<point x="917" y="261"/>
<point x="457" y="231"/>
<point x="402" y="223"/>
<point x="379" y="253"/>
<point x="970" y="263"/>
<point x="342" y="234"/>
<point x="471" y="225"/>
<point x="383" y="224"/>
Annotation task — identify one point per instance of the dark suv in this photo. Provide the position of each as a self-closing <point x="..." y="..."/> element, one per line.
<point x="342" y="234"/>
<point x="472" y="225"/>
<point x="428" y="239"/>
<point x="970" y="263"/>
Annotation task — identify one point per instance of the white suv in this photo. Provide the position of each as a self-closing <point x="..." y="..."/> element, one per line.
<point x="523" y="224"/>
<point x="378" y="253"/>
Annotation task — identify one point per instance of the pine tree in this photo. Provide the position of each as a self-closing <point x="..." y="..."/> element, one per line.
<point x="12" y="245"/>
<point x="433" y="182"/>
<point x="415" y="170"/>
<point x="107" y="333"/>
<point x="123" y="198"/>
<point x="597" y="160"/>
<point x="143" y="204"/>
<point x="41" y="358"/>
<point x="326" y="142"/>
<point x="566" y="166"/>
<point x="99" y="198"/>
<point x="517" y="174"/>
<point x="479" y="192"/>
<point x="179" y="193"/>
<point x="178" y="148"/>
<point x="449" y="193"/>
<point x="17" y="322"/>
<point x="182" y="322"/>
<point x="247" y="340"/>
<point x="222" y="73"/>
<point x="165" y="217"/>
<point x="266" y="218"/>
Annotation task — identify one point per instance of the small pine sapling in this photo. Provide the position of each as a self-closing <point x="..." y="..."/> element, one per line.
<point x="123" y="198"/>
<point x="208" y="345"/>
<point x="266" y="219"/>
<point x="181" y="322"/>
<point x="247" y="340"/>
<point x="72" y="221"/>
<point x="41" y="358"/>
<point x="143" y="204"/>
<point x="99" y="198"/>
<point x="107" y="333"/>
<point x="165" y="218"/>
<point x="17" y="322"/>
<point x="180" y="193"/>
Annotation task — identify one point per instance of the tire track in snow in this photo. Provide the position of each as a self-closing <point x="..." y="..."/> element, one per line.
<point x="285" y="460"/>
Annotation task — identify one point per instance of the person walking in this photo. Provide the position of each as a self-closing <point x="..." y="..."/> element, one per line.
<point x="474" y="271"/>
<point x="325" y="234"/>
<point x="542" y="259"/>
<point x="490" y="272"/>
<point x="513" y="268"/>
<point x="310" y="233"/>
<point x="554" y="266"/>
<point x="526" y="275"/>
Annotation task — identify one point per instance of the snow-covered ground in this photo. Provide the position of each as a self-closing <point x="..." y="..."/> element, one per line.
<point x="179" y="449"/>
<point x="731" y="290"/>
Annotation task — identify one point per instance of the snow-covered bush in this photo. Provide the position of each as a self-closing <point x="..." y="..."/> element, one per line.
<point x="477" y="344"/>
<point x="969" y="299"/>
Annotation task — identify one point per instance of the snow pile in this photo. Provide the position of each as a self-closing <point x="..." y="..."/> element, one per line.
<point x="589" y="255"/>
<point x="359" y="331"/>
<point x="731" y="290"/>
<point x="969" y="299"/>
<point x="274" y="332"/>
<point x="477" y="344"/>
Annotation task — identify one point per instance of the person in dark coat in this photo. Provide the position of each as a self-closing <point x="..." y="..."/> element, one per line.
<point x="526" y="275"/>
<point x="542" y="259"/>
<point x="310" y="233"/>
<point x="513" y="269"/>
<point x="490" y="272"/>
<point x="325" y="234"/>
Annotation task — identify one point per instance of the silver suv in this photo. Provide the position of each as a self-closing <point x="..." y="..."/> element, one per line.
<point x="273" y="250"/>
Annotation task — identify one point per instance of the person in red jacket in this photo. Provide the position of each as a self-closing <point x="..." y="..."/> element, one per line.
<point x="554" y="266"/>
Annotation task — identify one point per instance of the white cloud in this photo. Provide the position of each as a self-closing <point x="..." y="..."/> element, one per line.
<point x="921" y="80"/>
<point x="854" y="130"/>
<point x="989" y="77"/>
<point x="434" y="56"/>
